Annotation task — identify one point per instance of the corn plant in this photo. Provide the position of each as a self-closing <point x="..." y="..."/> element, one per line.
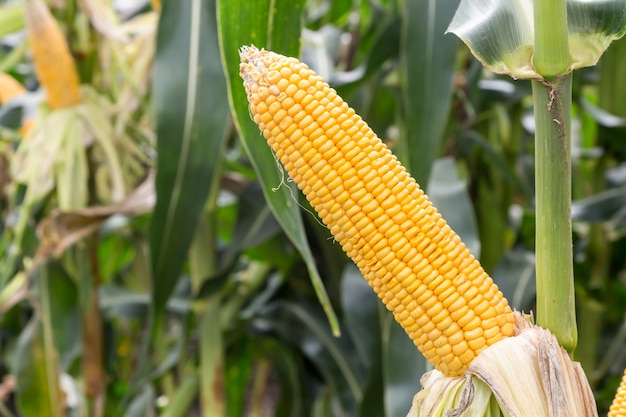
<point x="284" y="104"/>
<point x="159" y="258"/>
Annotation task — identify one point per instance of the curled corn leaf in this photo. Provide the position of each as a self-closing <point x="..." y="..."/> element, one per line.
<point x="417" y="265"/>
<point x="500" y="33"/>
<point x="51" y="55"/>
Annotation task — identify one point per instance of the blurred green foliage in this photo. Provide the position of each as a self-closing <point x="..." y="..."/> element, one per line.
<point x="207" y="290"/>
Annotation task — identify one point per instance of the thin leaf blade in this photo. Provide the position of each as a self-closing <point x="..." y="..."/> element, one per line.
<point x="192" y="117"/>
<point x="274" y="25"/>
<point x="428" y="58"/>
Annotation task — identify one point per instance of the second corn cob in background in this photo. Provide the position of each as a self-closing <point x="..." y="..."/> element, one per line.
<point x="417" y="265"/>
<point x="53" y="61"/>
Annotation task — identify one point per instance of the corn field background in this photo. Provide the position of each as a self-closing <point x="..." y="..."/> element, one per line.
<point x="157" y="261"/>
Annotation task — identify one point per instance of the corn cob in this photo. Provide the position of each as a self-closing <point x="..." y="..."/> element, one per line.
<point x="51" y="55"/>
<point x="618" y="407"/>
<point x="417" y="265"/>
<point x="9" y="88"/>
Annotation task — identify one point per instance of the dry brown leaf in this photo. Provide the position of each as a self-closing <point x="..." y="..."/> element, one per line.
<point x="60" y="229"/>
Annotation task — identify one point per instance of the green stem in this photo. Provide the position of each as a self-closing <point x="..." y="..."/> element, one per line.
<point x="555" y="271"/>
<point x="183" y="398"/>
<point x="202" y="263"/>
<point x="52" y="357"/>
<point x="551" y="54"/>
<point x="212" y="390"/>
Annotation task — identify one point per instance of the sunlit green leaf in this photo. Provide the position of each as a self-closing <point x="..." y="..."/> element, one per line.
<point x="500" y="33"/>
<point x="11" y="18"/>
<point x="192" y="116"/>
<point x="273" y="25"/>
<point x="592" y="26"/>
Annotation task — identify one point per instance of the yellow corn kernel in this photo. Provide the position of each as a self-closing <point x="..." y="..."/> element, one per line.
<point x="51" y="55"/>
<point x="418" y="266"/>
<point x="618" y="407"/>
<point x="9" y="88"/>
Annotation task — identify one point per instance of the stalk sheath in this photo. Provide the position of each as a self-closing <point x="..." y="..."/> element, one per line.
<point x="551" y="55"/>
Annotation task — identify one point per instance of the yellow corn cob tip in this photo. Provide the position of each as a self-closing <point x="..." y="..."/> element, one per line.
<point x="417" y="265"/>
<point x="53" y="61"/>
<point x="9" y="88"/>
<point x="618" y="407"/>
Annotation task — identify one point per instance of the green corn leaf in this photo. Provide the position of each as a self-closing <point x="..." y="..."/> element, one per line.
<point x="11" y="18"/>
<point x="363" y="314"/>
<point x="182" y="399"/>
<point x="37" y="390"/>
<point x="141" y="405"/>
<point x="403" y="366"/>
<point x="37" y="367"/>
<point x="274" y="25"/>
<point x="450" y="195"/>
<point x="333" y="356"/>
<point x="192" y="117"/>
<point x="500" y="33"/>
<point x="428" y="58"/>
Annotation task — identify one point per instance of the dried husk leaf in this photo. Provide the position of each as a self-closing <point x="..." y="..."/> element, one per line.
<point x="103" y="18"/>
<point x="528" y="375"/>
<point x="453" y="396"/>
<point x="60" y="229"/>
